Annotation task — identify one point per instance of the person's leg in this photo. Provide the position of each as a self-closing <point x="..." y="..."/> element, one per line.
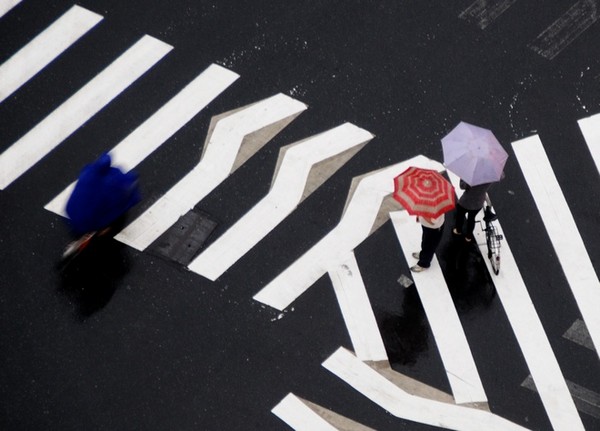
<point x="430" y="240"/>
<point x="471" y="214"/>
<point x="459" y="219"/>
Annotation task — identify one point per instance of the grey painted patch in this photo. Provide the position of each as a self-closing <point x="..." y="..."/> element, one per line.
<point x="579" y="334"/>
<point x="484" y="12"/>
<point x="184" y="239"/>
<point x="405" y="281"/>
<point x="566" y="29"/>
<point x="586" y="401"/>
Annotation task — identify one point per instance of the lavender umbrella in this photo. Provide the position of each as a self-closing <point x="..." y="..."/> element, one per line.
<point x="474" y="154"/>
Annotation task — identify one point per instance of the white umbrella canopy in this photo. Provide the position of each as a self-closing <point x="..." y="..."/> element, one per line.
<point x="474" y="154"/>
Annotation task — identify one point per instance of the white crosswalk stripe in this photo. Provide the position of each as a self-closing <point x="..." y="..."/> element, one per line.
<point x="48" y="45"/>
<point x="6" y="5"/>
<point x="79" y="108"/>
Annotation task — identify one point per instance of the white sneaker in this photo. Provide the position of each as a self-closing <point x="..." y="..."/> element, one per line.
<point x="417" y="268"/>
<point x="417" y="255"/>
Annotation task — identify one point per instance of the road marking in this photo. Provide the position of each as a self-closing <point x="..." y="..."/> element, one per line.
<point x="231" y="140"/>
<point x="529" y="332"/>
<point x="587" y="401"/>
<point x="590" y="127"/>
<point x="153" y="132"/>
<point x="562" y="230"/>
<point x="44" y="48"/>
<point x="443" y="319"/>
<point x="299" y="416"/>
<point x="79" y="108"/>
<point x="566" y="29"/>
<point x="579" y="334"/>
<point x="399" y="403"/>
<point x="6" y="5"/>
<point x="357" y="312"/>
<point x="484" y="12"/>
<point x="365" y="202"/>
<point x="302" y="167"/>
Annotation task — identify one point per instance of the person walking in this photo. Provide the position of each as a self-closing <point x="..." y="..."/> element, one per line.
<point x="469" y="204"/>
<point x="432" y="235"/>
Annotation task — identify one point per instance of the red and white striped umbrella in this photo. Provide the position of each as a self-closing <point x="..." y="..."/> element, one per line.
<point x="424" y="192"/>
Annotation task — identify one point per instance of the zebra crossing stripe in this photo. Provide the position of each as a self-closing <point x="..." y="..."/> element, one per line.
<point x="357" y="312"/>
<point x="579" y="334"/>
<point x="6" y="5"/>
<point x="529" y="332"/>
<point x="443" y="319"/>
<point x="566" y="29"/>
<point x="562" y="230"/>
<point x="44" y="48"/>
<point x="79" y="108"/>
<point x="590" y="127"/>
<point x="362" y="209"/>
<point x="294" y="175"/>
<point x="153" y="132"/>
<point x="299" y="416"/>
<point x="401" y="404"/>
<point x="484" y="12"/>
<point x="221" y="155"/>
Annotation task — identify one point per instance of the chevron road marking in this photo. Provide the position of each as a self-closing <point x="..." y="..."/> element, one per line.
<point x="299" y="416"/>
<point x="401" y="404"/>
<point x="153" y="132"/>
<point x="6" y="5"/>
<point x="590" y="127"/>
<point x="233" y="138"/>
<point x="359" y="220"/>
<point x="297" y="171"/>
<point x="529" y="332"/>
<point x="443" y="319"/>
<point x="79" y="108"/>
<point x="562" y="230"/>
<point x="44" y="48"/>
<point x="357" y="312"/>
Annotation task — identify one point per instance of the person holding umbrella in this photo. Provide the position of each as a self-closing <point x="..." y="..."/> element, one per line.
<point x="475" y="155"/>
<point x="428" y="195"/>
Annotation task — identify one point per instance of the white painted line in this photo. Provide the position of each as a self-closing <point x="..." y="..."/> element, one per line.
<point x="566" y="29"/>
<point x="590" y="127"/>
<point x="562" y="230"/>
<point x="356" y="308"/>
<point x="220" y="153"/>
<point x="6" y="5"/>
<point x="484" y="12"/>
<point x="579" y="334"/>
<point x="442" y="316"/>
<point x="79" y="108"/>
<point x="285" y="195"/>
<point x="299" y="416"/>
<point x="403" y="405"/>
<point x="153" y="132"/>
<point x="529" y="332"/>
<point x="353" y="228"/>
<point x="44" y="48"/>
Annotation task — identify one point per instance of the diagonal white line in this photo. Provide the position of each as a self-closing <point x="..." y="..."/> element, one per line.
<point x="6" y="5"/>
<point x="442" y="316"/>
<point x="590" y="127"/>
<point x="299" y="416"/>
<point x="153" y="132"/>
<point x="529" y="332"/>
<point x="562" y="230"/>
<point x="44" y="48"/>
<point x="79" y="108"/>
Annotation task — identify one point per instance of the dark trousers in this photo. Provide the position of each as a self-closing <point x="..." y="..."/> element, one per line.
<point x="460" y="220"/>
<point x="429" y="242"/>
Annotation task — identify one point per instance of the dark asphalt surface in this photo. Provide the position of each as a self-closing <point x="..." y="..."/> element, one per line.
<point x="127" y="340"/>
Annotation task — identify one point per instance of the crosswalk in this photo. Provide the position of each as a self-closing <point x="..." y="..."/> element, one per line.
<point x="303" y="166"/>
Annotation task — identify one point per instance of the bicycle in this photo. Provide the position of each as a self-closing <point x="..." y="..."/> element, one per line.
<point x="492" y="237"/>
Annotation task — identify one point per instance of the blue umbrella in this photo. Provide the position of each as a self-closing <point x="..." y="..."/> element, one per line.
<point x="102" y="194"/>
